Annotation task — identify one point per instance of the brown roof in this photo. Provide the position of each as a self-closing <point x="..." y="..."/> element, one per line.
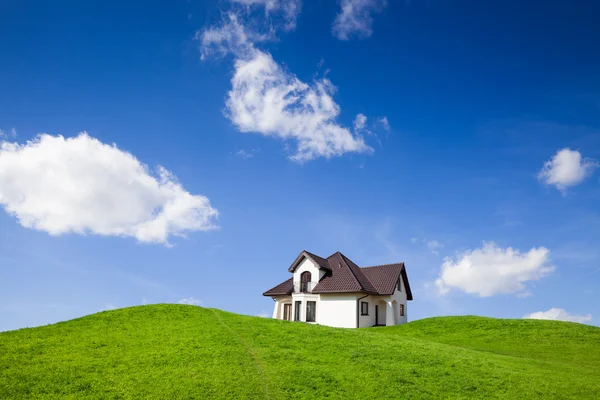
<point x="321" y="262"/>
<point x="283" y="288"/>
<point x="344" y="276"/>
<point x="384" y="278"/>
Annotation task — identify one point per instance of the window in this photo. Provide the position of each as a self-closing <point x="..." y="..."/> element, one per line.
<point x="364" y="308"/>
<point x="287" y="312"/>
<point x="305" y="279"/>
<point x="402" y="310"/>
<point x="297" y="308"/>
<point x="399" y="285"/>
<point x="311" y="308"/>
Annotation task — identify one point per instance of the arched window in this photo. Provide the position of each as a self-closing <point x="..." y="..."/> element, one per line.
<point x="305" y="279"/>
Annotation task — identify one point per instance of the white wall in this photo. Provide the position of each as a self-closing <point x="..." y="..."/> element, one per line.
<point x="304" y="297"/>
<point x="367" y="320"/>
<point x="307" y="265"/>
<point x="400" y="297"/>
<point x="278" y="307"/>
<point x="385" y="308"/>
<point x="338" y="310"/>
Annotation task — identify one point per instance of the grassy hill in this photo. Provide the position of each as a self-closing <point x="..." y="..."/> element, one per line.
<point x="177" y="351"/>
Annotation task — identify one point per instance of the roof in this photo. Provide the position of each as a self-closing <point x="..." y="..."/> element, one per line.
<point x="344" y="276"/>
<point x="321" y="262"/>
<point x="281" y="289"/>
<point x="384" y="278"/>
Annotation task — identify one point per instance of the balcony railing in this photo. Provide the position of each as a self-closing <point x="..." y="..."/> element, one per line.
<point x="304" y="287"/>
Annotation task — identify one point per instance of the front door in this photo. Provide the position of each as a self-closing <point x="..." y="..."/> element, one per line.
<point x="376" y="315"/>
<point x="287" y="312"/>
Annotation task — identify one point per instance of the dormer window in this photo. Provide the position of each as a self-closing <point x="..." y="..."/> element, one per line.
<point x="305" y="279"/>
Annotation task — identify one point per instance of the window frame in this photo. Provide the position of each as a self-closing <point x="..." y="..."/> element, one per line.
<point x="314" y="311"/>
<point x="402" y="310"/>
<point x="305" y="280"/>
<point x="363" y="305"/>
<point x="297" y="310"/>
<point x="399" y="285"/>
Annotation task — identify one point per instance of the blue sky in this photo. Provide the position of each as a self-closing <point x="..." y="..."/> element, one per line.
<point x="484" y="183"/>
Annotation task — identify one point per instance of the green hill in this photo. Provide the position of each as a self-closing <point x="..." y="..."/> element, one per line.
<point x="176" y="351"/>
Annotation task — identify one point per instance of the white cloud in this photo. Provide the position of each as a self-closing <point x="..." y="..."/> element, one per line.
<point x="559" y="314"/>
<point x="359" y="122"/>
<point x="11" y="133"/>
<point x="268" y="100"/>
<point x="246" y="154"/>
<point x="286" y="10"/>
<point x="355" y="18"/>
<point x="240" y="30"/>
<point x="263" y="314"/>
<point x="191" y="301"/>
<point x="81" y="185"/>
<point x="108" y="307"/>
<point x="566" y="168"/>
<point x="492" y="270"/>
<point x="229" y="37"/>
<point x="434" y="246"/>
<point x="271" y="101"/>
<point x="383" y="121"/>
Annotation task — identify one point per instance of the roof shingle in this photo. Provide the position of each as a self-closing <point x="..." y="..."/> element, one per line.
<point x="344" y="276"/>
<point x="281" y="289"/>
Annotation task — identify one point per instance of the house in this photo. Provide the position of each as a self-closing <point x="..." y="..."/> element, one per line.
<point x="334" y="291"/>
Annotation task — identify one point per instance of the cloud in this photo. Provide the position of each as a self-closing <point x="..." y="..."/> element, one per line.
<point x="246" y="154"/>
<point x="434" y="246"/>
<point x="268" y="100"/>
<point x="355" y="18"/>
<point x="11" y="133"/>
<point x="80" y="185"/>
<point x="108" y="307"/>
<point x="191" y="301"/>
<point x="263" y="314"/>
<point x="359" y="122"/>
<point x="383" y="121"/>
<point x="491" y="270"/>
<point x="559" y="314"/>
<point x="240" y="29"/>
<point x="231" y="36"/>
<point x="566" y="168"/>
<point x="285" y="12"/>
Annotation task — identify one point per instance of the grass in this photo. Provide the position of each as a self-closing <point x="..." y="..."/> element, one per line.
<point x="187" y="352"/>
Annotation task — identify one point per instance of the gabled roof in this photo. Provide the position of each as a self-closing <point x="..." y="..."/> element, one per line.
<point x="384" y="278"/>
<point x="321" y="262"/>
<point x="344" y="276"/>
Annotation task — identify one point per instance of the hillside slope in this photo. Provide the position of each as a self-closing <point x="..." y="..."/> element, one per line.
<point x="176" y="351"/>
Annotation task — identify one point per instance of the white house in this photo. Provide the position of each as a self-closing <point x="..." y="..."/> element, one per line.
<point x="334" y="291"/>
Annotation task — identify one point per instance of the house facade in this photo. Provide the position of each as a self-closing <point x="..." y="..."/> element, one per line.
<point x="334" y="291"/>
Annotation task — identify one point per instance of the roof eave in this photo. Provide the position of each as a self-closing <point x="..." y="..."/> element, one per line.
<point x="308" y="255"/>
<point x="345" y="291"/>
<point x="266" y="294"/>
